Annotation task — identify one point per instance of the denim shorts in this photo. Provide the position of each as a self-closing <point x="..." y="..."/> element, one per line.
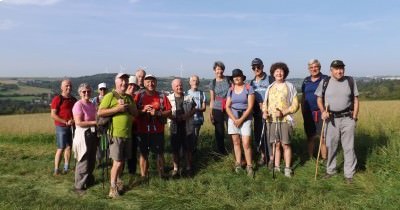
<point x="63" y="137"/>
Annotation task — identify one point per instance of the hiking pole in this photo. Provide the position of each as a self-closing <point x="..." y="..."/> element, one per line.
<point x="321" y="138"/>
<point x="73" y="135"/>
<point x="274" y="146"/>
<point x="102" y="162"/>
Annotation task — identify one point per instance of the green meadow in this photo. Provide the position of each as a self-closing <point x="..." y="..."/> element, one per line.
<point x="27" y="148"/>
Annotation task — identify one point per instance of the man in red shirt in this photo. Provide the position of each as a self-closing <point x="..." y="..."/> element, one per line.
<point x="61" y="113"/>
<point x="153" y="107"/>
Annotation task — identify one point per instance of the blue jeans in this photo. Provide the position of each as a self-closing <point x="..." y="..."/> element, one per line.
<point x="63" y="137"/>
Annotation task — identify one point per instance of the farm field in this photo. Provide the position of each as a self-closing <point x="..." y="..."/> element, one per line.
<point x="27" y="149"/>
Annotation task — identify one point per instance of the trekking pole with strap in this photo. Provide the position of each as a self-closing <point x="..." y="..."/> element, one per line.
<point x="264" y="140"/>
<point x="321" y="138"/>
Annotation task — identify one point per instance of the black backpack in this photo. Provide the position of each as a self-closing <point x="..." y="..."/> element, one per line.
<point x="350" y="80"/>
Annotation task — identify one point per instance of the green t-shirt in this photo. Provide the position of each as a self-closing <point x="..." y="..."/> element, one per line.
<point x="121" y="122"/>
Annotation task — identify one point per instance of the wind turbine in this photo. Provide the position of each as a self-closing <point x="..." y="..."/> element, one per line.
<point x="181" y="70"/>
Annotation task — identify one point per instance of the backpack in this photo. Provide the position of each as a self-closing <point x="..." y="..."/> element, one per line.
<point x="247" y="86"/>
<point x="350" y="80"/>
<point x="61" y="101"/>
<point x="161" y="96"/>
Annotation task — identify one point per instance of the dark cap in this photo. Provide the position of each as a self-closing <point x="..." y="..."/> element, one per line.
<point x="237" y="73"/>
<point x="337" y="63"/>
<point x="257" y="61"/>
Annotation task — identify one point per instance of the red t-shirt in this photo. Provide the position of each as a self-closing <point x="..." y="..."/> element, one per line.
<point x="146" y="123"/>
<point x="65" y="111"/>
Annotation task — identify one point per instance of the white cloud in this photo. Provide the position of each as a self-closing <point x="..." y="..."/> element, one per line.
<point x="32" y="2"/>
<point x="362" y="25"/>
<point x="7" y="24"/>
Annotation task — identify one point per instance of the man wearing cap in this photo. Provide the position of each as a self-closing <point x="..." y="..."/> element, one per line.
<point x="102" y="89"/>
<point x="260" y="84"/>
<point x="154" y="107"/>
<point x="120" y="106"/>
<point x="131" y="91"/>
<point x="341" y="94"/>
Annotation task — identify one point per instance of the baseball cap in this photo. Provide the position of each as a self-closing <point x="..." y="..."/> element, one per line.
<point x="132" y="80"/>
<point x="150" y="76"/>
<point x="121" y="75"/>
<point x="102" y="85"/>
<point x="337" y="63"/>
<point x="256" y="61"/>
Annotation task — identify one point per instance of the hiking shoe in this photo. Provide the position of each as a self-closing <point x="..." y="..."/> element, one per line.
<point x="250" y="171"/>
<point x="113" y="192"/>
<point x="79" y="192"/>
<point x="288" y="172"/>
<point x="56" y="173"/>
<point x="261" y="162"/>
<point x="327" y="176"/>
<point x="270" y="164"/>
<point x="277" y="169"/>
<point x="175" y="174"/>
<point x="120" y="186"/>
<point x="189" y="172"/>
<point x="238" y="168"/>
<point x="349" y="180"/>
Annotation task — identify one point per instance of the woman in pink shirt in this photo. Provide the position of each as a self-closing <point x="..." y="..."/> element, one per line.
<point x="85" y="140"/>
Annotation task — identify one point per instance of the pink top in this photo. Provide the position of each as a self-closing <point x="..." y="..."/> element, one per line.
<point x="87" y="111"/>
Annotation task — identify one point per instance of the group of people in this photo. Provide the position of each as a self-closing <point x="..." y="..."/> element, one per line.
<point x="262" y="108"/>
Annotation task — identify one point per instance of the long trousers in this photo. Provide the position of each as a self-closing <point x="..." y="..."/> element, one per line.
<point x="219" y="125"/>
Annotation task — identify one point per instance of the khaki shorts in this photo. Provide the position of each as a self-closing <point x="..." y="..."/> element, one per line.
<point x="280" y="131"/>
<point x="120" y="148"/>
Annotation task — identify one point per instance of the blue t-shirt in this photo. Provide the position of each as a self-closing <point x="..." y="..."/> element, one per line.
<point x="240" y="101"/>
<point x="199" y="98"/>
<point x="308" y="88"/>
<point x="260" y="88"/>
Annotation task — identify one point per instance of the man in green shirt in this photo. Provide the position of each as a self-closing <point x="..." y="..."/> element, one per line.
<point x="122" y="109"/>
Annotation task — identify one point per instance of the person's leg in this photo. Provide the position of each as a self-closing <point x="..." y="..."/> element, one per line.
<point x="287" y="155"/>
<point x="132" y="162"/>
<point x="247" y="149"/>
<point x="60" y="142"/>
<point x="57" y="160"/>
<point x="347" y="140"/>
<point x="332" y="140"/>
<point x="81" y="173"/>
<point x="67" y="151"/>
<point x="219" y="124"/>
<point x="236" y="148"/>
<point x="175" y="153"/>
<point x="258" y="127"/>
<point x="278" y="154"/>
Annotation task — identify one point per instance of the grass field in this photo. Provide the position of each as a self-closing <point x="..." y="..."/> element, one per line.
<point x="27" y="150"/>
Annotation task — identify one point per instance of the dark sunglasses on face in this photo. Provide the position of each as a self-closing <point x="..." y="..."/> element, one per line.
<point x="256" y="67"/>
<point x="86" y="91"/>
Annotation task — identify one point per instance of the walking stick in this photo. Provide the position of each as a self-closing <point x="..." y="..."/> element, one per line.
<point x="321" y="138"/>
<point x="73" y="135"/>
<point x="274" y="146"/>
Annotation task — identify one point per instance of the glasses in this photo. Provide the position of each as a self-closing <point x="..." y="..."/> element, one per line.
<point x="256" y="67"/>
<point x="86" y="91"/>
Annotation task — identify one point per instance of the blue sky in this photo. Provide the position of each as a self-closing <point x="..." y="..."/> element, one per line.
<point x="57" y="38"/>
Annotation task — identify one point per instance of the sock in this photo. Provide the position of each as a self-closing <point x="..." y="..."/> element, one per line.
<point x="65" y="167"/>
<point x="55" y="170"/>
<point x="113" y="185"/>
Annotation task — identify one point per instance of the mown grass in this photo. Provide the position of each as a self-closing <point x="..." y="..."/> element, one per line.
<point x="26" y="182"/>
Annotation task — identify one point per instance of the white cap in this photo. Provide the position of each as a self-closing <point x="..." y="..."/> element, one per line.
<point x="120" y="75"/>
<point x="132" y="80"/>
<point x="102" y="85"/>
<point x="150" y="76"/>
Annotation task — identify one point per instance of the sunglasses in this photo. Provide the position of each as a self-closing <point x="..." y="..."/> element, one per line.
<point x="256" y="67"/>
<point x="86" y="91"/>
<point x="103" y="89"/>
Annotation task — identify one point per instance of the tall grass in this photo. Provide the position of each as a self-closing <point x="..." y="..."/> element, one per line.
<point x="26" y="182"/>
